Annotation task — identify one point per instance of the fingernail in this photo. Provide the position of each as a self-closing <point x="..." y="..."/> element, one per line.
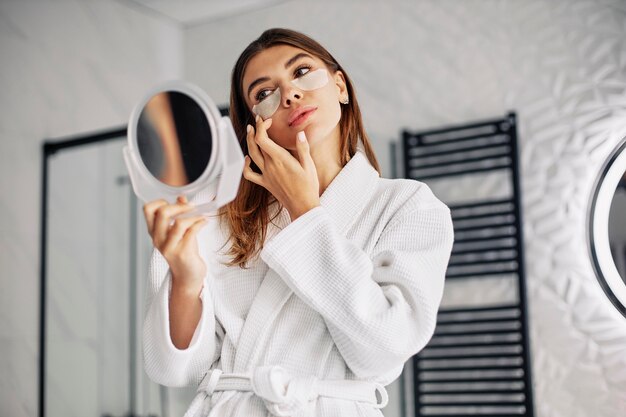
<point x="248" y="128"/>
<point x="301" y="136"/>
<point x="256" y="119"/>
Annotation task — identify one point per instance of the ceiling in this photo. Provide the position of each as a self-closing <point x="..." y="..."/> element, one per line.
<point x="192" y="12"/>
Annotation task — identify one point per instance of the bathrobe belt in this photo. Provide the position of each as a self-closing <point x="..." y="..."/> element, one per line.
<point x="282" y="393"/>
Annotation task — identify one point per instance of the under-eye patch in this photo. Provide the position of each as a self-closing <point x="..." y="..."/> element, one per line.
<point x="268" y="105"/>
<point x="312" y="80"/>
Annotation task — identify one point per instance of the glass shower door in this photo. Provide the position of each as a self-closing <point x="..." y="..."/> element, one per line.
<point x="96" y="265"/>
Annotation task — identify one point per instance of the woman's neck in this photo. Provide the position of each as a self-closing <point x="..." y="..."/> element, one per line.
<point x="328" y="164"/>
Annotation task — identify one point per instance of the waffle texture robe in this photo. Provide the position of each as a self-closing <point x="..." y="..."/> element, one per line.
<point x="348" y="291"/>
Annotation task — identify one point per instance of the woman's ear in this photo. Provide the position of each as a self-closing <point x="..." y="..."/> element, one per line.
<point x="340" y="82"/>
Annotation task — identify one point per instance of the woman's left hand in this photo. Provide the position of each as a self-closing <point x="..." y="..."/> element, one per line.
<point x="293" y="182"/>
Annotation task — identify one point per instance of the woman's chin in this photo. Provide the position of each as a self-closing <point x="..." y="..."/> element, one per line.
<point x="317" y="134"/>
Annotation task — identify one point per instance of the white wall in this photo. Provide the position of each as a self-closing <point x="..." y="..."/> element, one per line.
<point x="68" y="67"/>
<point x="561" y="65"/>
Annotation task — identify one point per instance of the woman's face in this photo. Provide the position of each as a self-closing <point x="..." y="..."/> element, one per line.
<point x="276" y="67"/>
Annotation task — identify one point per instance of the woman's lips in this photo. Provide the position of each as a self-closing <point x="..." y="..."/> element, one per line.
<point x="303" y="117"/>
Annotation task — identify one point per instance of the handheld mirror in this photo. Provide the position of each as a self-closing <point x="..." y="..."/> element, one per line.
<point x="179" y="144"/>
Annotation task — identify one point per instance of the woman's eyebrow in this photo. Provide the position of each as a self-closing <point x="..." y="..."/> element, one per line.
<point x="287" y="65"/>
<point x="295" y="58"/>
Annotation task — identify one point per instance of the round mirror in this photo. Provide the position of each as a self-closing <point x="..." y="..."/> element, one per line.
<point x="174" y="138"/>
<point x="179" y="144"/>
<point x="607" y="227"/>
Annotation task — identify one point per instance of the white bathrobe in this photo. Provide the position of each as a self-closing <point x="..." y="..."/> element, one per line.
<point x="348" y="291"/>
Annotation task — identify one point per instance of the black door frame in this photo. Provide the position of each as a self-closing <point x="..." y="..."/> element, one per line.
<point x="49" y="148"/>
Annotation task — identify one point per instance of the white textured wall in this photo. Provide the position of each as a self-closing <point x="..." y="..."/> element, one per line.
<point x="68" y="67"/>
<point x="561" y="65"/>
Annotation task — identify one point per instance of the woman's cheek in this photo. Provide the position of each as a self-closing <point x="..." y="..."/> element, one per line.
<point x="332" y="116"/>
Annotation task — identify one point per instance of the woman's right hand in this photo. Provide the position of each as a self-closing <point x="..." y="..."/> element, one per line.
<point x="177" y="242"/>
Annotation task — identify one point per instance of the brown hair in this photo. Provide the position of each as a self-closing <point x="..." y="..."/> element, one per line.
<point x="248" y="214"/>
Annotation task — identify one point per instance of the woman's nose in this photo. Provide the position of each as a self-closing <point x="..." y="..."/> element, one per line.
<point x="291" y="94"/>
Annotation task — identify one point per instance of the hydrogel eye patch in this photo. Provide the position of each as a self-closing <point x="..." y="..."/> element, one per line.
<point x="312" y="80"/>
<point x="268" y="105"/>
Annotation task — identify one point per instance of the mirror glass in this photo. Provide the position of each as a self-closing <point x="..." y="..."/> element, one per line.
<point x="607" y="227"/>
<point x="174" y="138"/>
<point x="617" y="227"/>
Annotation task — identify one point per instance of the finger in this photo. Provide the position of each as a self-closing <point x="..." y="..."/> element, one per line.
<point x="268" y="146"/>
<point x="303" y="149"/>
<point x="162" y="220"/>
<point x="192" y="232"/>
<point x="253" y="149"/>
<point x="249" y="174"/>
<point x="149" y="211"/>
<point x="177" y="231"/>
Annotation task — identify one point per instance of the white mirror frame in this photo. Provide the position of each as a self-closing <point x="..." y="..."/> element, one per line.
<point x="225" y="163"/>
<point x="598" y="227"/>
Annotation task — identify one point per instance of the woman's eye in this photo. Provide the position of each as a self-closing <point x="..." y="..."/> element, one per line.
<point x="260" y="96"/>
<point x="304" y="67"/>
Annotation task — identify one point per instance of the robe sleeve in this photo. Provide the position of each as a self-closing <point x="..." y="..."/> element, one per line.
<point x="164" y="363"/>
<point x="380" y="309"/>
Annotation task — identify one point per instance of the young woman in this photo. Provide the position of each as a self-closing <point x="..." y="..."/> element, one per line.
<point x="308" y="293"/>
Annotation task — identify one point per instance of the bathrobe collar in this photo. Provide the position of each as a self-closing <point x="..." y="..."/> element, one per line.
<point x="348" y="193"/>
